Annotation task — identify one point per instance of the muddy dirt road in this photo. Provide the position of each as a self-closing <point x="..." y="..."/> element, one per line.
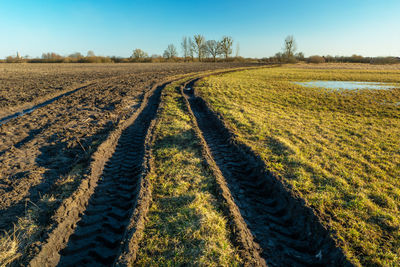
<point x="115" y="205"/>
<point x="45" y="155"/>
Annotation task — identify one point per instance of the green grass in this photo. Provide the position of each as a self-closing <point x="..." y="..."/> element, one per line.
<point x="185" y="223"/>
<point x="340" y="150"/>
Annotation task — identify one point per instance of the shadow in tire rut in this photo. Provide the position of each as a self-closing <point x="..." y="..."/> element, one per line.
<point x="97" y="238"/>
<point x="288" y="232"/>
<point x="58" y="159"/>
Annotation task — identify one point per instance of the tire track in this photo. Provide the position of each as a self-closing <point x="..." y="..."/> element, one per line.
<point x="40" y="105"/>
<point x="113" y="200"/>
<point x="288" y="232"/>
<point x="98" y="236"/>
<point x="115" y="194"/>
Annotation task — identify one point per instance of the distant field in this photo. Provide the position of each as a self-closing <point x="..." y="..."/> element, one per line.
<point x="339" y="150"/>
<point x="22" y="85"/>
<point x="352" y="66"/>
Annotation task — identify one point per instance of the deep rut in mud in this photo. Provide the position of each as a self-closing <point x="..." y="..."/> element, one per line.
<point x="288" y="232"/>
<point x="99" y="234"/>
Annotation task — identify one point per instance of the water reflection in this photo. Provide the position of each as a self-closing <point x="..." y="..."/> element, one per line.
<point x="347" y="85"/>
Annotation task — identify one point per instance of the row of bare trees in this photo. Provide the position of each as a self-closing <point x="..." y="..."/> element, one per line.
<point x="206" y="48"/>
<point x="197" y="47"/>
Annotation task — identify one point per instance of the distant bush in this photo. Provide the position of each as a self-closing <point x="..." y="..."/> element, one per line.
<point x="355" y="59"/>
<point x="385" y="60"/>
<point x="316" y="59"/>
<point x="352" y="59"/>
<point x="299" y="56"/>
<point x="52" y="57"/>
<point x="12" y="59"/>
<point x="95" y="59"/>
<point x="291" y="59"/>
<point x="119" y="59"/>
<point x="42" y="60"/>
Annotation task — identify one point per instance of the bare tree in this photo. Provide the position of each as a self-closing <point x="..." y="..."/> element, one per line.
<point x="213" y="48"/>
<point x="299" y="56"/>
<point x="139" y="54"/>
<point x="226" y="46"/>
<point x="237" y="49"/>
<point x="192" y="48"/>
<point x="200" y="45"/>
<point x="170" y="52"/>
<point x="51" y="56"/>
<point x="290" y="47"/>
<point x="185" y="47"/>
<point x="76" y="55"/>
<point x="90" y="53"/>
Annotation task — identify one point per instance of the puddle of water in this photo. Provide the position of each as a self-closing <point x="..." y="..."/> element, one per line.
<point x="347" y="85"/>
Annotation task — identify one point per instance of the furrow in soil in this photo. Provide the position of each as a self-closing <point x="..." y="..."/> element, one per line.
<point x="288" y="232"/>
<point x="43" y="104"/>
<point x="99" y="234"/>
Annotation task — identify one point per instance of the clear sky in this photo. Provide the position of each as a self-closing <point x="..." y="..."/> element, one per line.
<point x="116" y="27"/>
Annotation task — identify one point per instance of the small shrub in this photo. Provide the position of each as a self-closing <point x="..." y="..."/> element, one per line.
<point x="385" y="60"/>
<point x="316" y="59"/>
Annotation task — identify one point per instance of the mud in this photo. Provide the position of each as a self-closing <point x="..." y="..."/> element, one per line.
<point x="25" y="85"/>
<point x="99" y="233"/>
<point x="68" y="137"/>
<point x="47" y="144"/>
<point x="42" y="147"/>
<point x="288" y="231"/>
<point x="31" y="109"/>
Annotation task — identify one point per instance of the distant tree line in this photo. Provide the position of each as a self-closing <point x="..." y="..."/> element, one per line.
<point x="198" y="48"/>
<point x="193" y="49"/>
<point x="52" y="57"/>
<point x="289" y="55"/>
<point x="353" y="59"/>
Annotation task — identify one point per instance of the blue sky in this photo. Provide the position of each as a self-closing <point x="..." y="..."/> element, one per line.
<point x="340" y="27"/>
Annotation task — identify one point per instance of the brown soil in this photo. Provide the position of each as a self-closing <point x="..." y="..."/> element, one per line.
<point x="39" y="149"/>
<point x="25" y="85"/>
<point x="112" y="204"/>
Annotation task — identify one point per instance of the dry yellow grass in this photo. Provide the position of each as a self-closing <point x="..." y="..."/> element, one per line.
<point x="186" y="225"/>
<point x="341" y="66"/>
<point x="339" y="149"/>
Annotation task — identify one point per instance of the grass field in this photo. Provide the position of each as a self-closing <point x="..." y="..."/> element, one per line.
<point x="186" y="225"/>
<point x="339" y="150"/>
